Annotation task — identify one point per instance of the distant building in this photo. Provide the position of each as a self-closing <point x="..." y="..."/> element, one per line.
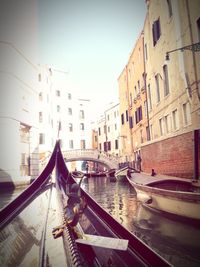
<point x="62" y="115"/>
<point x="108" y="127"/>
<point x="94" y="136"/>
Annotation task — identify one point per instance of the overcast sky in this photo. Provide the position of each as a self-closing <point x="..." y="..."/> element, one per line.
<point x="92" y="40"/>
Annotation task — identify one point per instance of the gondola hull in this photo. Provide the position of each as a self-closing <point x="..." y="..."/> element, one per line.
<point x="96" y="221"/>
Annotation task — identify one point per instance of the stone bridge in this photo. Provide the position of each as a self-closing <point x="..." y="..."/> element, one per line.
<point x="109" y="161"/>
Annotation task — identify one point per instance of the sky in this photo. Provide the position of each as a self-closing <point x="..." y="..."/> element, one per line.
<point x="91" y="40"/>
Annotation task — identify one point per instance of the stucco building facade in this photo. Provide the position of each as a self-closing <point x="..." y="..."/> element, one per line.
<point x="171" y="82"/>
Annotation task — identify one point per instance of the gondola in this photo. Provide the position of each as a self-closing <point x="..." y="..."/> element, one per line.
<point x="94" y="221"/>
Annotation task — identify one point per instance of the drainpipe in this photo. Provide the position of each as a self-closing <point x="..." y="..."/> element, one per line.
<point x="128" y="99"/>
<point x="105" y="129"/>
<point x="193" y="52"/>
<point x="145" y="87"/>
<point x="196" y="155"/>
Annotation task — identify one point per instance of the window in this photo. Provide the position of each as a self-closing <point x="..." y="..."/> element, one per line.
<point x="175" y="119"/>
<point x="40" y="96"/>
<point x="70" y="127"/>
<point x="99" y="131"/>
<point x="40" y="117"/>
<point x="100" y="146"/>
<point x="58" y="108"/>
<point x="69" y="96"/>
<point x="157" y="88"/>
<point x="108" y="117"/>
<point x="116" y="144"/>
<point x="126" y="115"/>
<point x="147" y="133"/>
<point x="130" y="122"/>
<point x="81" y="126"/>
<point x="39" y="77"/>
<point x="156" y="31"/>
<point x="145" y="51"/>
<point x="105" y="146"/>
<point x="167" y="123"/>
<point x="115" y="126"/>
<point x="161" y="126"/>
<point x="83" y="144"/>
<point x="187" y="113"/>
<point x="138" y="114"/>
<point x="71" y="144"/>
<point x="169" y="5"/>
<point x="166" y="80"/>
<point x="69" y="111"/>
<point x="151" y="132"/>
<point x="109" y="145"/>
<point x="41" y="139"/>
<point x="149" y="97"/>
<point x="108" y="129"/>
<point x="122" y="118"/>
<point x="57" y="92"/>
<point x="82" y="115"/>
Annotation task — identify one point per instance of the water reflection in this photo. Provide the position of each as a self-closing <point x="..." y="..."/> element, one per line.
<point x="177" y="242"/>
<point x="8" y="194"/>
<point x="21" y="240"/>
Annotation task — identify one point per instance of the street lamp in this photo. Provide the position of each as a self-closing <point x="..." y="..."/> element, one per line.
<point x="193" y="47"/>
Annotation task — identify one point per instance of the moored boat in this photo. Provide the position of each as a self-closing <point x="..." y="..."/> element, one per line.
<point x="111" y="175"/>
<point x="176" y="196"/>
<point x="77" y="174"/>
<point x="121" y="174"/>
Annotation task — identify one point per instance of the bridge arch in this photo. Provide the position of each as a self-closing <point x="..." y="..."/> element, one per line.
<point x="110" y="162"/>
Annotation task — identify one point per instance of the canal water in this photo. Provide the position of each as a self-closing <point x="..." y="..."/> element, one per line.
<point x="177" y="242"/>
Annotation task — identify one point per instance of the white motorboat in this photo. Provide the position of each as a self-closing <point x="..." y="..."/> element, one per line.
<point x="172" y="195"/>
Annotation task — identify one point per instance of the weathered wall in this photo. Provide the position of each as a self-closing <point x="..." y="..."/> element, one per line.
<point x="173" y="156"/>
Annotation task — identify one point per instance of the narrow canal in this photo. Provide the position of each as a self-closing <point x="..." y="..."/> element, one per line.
<point x="177" y="242"/>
